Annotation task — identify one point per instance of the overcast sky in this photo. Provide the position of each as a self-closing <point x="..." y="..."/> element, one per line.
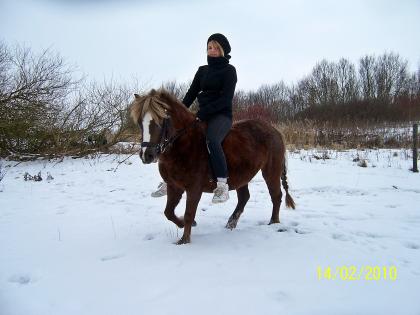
<point x="161" y="40"/>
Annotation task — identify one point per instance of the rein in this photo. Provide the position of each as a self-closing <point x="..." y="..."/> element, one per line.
<point x="164" y="141"/>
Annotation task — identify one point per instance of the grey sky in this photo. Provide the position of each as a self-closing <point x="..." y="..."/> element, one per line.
<point x="156" y="41"/>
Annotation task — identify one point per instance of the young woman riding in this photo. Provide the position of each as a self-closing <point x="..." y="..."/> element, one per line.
<point x="214" y="86"/>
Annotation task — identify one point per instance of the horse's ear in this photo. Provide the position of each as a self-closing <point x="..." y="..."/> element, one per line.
<point x="136" y="96"/>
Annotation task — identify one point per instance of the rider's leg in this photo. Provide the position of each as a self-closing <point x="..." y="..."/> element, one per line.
<point x="218" y="128"/>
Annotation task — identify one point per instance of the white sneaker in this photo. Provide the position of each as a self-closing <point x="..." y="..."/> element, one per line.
<point x="221" y="193"/>
<point x="161" y="191"/>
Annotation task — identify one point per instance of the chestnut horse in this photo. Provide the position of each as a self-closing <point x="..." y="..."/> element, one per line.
<point x="172" y="136"/>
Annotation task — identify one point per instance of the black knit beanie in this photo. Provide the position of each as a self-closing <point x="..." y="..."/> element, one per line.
<point x="223" y="41"/>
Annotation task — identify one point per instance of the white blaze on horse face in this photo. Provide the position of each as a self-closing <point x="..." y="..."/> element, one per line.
<point x="147" y="120"/>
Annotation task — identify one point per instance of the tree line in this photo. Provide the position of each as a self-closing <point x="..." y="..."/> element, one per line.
<point x="47" y="109"/>
<point x="380" y="88"/>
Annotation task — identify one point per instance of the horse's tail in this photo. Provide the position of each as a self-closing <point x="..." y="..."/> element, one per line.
<point x="290" y="203"/>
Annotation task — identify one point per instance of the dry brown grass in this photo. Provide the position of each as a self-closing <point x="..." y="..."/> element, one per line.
<point x="309" y="134"/>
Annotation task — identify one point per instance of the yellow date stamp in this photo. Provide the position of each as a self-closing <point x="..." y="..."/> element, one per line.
<point x="353" y="273"/>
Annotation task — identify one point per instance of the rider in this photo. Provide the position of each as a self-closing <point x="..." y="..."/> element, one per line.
<point x="214" y="86"/>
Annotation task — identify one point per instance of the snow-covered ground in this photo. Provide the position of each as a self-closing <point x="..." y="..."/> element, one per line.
<point x="92" y="241"/>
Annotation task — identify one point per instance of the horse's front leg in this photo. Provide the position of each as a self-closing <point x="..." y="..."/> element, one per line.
<point x="173" y="198"/>
<point x="193" y="198"/>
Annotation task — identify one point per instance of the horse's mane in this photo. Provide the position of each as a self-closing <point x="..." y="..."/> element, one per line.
<point x="158" y="103"/>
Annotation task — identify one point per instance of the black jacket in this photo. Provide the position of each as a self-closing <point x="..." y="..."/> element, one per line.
<point x="214" y="86"/>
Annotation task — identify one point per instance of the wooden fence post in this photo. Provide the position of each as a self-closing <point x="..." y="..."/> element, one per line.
<point x="415" y="136"/>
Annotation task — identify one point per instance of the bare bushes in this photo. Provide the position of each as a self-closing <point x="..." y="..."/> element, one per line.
<point x="44" y="111"/>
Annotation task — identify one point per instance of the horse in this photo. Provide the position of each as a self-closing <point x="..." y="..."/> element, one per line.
<point x="173" y="137"/>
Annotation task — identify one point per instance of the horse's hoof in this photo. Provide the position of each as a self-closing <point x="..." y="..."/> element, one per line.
<point x="182" y="241"/>
<point x="231" y="225"/>
<point x="274" y="222"/>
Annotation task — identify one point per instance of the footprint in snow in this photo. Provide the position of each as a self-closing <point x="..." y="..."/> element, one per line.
<point x="112" y="257"/>
<point x="411" y="245"/>
<point x="292" y="229"/>
<point x="21" y="279"/>
<point x="300" y="231"/>
<point x="61" y="210"/>
<point x="340" y="237"/>
<point x="149" y="237"/>
<point x="313" y="216"/>
<point x="367" y="234"/>
<point x="280" y="296"/>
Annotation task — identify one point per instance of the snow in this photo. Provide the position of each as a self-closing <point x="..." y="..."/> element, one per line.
<point x="93" y="241"/>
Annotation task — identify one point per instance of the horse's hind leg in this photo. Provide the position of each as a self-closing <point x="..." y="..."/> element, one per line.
<point x="243" y="197"/>
<point x="272" y="179"/>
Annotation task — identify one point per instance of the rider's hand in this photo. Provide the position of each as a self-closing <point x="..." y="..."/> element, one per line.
<point x="199" y="116"/>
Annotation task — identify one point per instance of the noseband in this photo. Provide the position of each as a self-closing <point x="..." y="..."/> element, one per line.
<point x="165" y="141"/>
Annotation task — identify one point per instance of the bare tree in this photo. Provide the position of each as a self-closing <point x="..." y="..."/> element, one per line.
<point x="391" y="77"/>
<point x="346" y="81"/>
<point x="240" y="100"/>
<point x="179" y="90"/>
<point x="323" y="84"/>
<point x="366" y="77"/>
<point x="32" y="90"/>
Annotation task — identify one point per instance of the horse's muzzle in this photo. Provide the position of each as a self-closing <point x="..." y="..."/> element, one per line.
<point x="148" y="156"/>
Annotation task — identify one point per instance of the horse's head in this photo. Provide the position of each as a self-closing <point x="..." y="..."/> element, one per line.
<point x="150" y="113"/>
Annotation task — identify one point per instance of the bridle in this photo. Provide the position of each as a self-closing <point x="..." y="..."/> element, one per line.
<point x="165" y="142"/>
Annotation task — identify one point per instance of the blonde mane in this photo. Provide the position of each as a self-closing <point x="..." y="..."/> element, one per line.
<point x="151" y="103"/>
